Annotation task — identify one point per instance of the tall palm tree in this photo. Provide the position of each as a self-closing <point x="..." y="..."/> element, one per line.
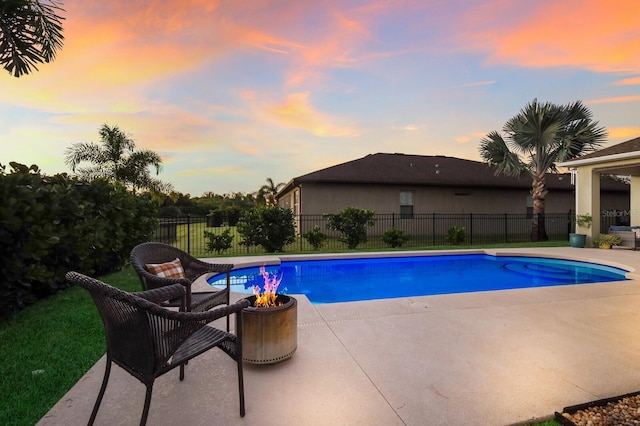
<point x="269" y="191"/>
<point x="30" y="34"/>
<point x="117" y="160"/>
<point x="538" y="137"/>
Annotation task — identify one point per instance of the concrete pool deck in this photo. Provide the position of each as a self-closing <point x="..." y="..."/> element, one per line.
<point x="488" y="358"/>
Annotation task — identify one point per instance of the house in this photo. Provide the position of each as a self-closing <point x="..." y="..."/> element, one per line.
<point x="622" y="159"/>
<point x="416" y="184"/>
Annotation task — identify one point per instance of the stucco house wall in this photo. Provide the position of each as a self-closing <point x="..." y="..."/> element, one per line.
<point x="319" y="198"/>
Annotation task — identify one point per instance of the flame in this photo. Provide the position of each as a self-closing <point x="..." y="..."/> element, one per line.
<point x="268" y="298"/>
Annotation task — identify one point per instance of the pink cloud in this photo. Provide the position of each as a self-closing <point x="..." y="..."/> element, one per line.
<point x="592" y="34"/>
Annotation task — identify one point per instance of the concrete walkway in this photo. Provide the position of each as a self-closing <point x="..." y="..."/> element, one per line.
<point x="490" y="358"/>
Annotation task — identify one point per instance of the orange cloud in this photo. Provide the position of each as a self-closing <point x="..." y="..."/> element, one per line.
<point x="591" y="34"/>
<point x="624" y="132"/>
<point x="616" y="100"/>
<point x="297" y="113"/>
<point x="628" y="81"/>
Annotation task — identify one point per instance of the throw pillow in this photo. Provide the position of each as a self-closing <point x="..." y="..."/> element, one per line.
<point x="637" y="232"/>
<point x="171" y="269"/>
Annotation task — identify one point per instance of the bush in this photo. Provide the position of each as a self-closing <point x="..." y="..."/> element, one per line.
<point x="315" y="237"/>
<point x="218" y="243"/>
<point x="51" y="225"/>
<point x="233" y="215"/>
<point x="215" y="218"/>
<point x="351" y="223"/>
<point x="270" y="227"/>
<point x="395" y="237"/>
<point x="456" y="235"/>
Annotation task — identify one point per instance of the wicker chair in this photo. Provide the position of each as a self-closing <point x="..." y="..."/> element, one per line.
<point x="148" y="340"/>
<point x="147" y="253"/>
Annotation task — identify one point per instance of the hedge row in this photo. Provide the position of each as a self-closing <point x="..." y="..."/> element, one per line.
<point x="52" y="224"/>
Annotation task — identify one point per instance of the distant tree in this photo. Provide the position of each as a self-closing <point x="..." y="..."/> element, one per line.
<point x="535" y="139"/>
<point x="116" y="159"/>
<point x="30" y="34"/>
<point x="269" y="191"/>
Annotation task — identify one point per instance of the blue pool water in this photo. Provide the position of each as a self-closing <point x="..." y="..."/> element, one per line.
<point x="346" y="280"/>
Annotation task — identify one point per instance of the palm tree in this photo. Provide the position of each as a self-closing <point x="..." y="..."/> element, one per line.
<point x="269" y="191"/>
<point x="117" y="160"/>
<point x="30" y="33"/>
<point x="538" y="137"/>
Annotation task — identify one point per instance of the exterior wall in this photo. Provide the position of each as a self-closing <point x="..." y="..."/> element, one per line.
<point x="333" y="198"/>
<point x="590" y="200"/>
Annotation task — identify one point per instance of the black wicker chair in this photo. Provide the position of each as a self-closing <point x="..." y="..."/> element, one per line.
<point x="148" y="340"/>
<point x="154" y="253"/>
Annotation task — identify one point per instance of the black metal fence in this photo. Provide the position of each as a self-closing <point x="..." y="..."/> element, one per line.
<point x="423" y="230"/>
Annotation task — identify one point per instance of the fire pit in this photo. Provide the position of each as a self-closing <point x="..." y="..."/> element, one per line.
<point x="270" y="324"/>
<point x="270" y="335"/>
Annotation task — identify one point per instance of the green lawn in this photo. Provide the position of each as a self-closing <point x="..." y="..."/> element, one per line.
<point x="49" y="346"/>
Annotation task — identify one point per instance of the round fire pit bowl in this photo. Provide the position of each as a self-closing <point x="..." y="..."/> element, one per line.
<point x="270" y="335"/>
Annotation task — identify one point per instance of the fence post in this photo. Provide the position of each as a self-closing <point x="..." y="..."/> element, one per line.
<point x="433" y="229"/>
<point x="506" y="229"/>
<point x="189" y="233"/>
<point x="471" y="228"/>
<point x="300" y="228"/>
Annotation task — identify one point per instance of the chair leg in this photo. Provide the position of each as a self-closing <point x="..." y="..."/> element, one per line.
<point x="105" y="379"/>
<point x="182" y="371"/>
<point x="241" y="387"/>
<point x="147" y="403"/>
<point x="239" y="351"/>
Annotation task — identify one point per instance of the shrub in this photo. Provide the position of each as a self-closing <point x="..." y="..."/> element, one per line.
<point x="218" y="243"/>
<point x="270" y="227"/>
<point x="315" y="237"/>
<point x="233" y="215"/>
<point x="52" y="224"/>
<point x="351" y="223"/>
<point x="395" y="237"/>
<point x="456" y="235"/>
<point x="215" y="218"/>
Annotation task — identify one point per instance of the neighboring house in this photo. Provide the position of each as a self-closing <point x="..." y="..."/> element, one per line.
<point x="415" y="184"/>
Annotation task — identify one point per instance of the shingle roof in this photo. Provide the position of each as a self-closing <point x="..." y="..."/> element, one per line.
<point x="401" y="169"/>
<point x="632" y="145"/>
<point x="420" y="170"/>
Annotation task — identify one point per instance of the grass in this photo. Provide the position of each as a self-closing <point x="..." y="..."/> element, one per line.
<point x="46" y="348"/>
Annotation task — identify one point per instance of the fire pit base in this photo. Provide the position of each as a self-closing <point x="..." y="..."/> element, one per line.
<point x="270" y="335"/>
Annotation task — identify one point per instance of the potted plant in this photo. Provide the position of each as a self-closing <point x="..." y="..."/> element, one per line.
<point x="577" y="239"/>
<point x="605" y="241"/>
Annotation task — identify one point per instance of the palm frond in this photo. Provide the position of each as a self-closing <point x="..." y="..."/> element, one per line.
<point x="30" y="33"/>
<point x="495" y="152"/>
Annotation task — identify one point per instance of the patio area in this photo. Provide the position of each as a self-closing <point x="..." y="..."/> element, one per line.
<point x="488" y="358"/>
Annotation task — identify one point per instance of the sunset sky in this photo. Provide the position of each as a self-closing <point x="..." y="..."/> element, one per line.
<point x="231" y="92"/>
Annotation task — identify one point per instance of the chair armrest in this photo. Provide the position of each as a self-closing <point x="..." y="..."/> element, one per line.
<point x="154" y="281"/>
<point x="197" y="267"/>
<point x="157" y="295"/>
<point x="203" y="317"/>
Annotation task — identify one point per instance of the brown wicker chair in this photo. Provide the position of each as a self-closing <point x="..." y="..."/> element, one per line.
<point x="147" y="253"/>
<point x="148" y="340"/>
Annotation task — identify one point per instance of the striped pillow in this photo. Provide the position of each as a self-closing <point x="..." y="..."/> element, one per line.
<point x="171" y="269"/>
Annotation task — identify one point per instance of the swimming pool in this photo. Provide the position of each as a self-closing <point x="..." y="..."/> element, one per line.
<point x="348" y="280"/>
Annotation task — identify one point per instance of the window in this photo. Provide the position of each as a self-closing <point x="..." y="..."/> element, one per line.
<point x="529" y="207"/>
<point x="406" y="205"/>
